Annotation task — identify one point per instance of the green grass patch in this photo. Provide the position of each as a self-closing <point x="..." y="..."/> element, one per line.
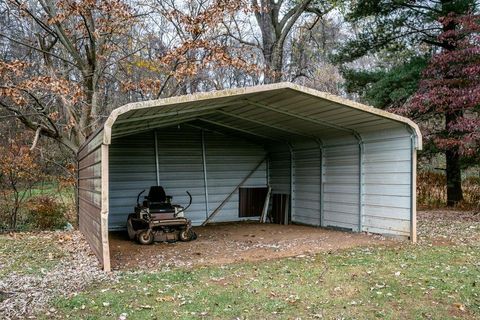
<point x="28" y="255"/>
<point x="413" y="282"/>
<point x="65" y="194"/>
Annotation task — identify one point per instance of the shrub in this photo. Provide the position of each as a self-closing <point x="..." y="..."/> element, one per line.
<point x="432" y="191"/>
<point x="19" y="170"/>
<point x="45" y="212"/>
<point x="471" y="192"/>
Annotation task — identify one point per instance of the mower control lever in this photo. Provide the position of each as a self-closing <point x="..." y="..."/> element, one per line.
<point x="138" y="197"/>
<point x="189" y="203"/>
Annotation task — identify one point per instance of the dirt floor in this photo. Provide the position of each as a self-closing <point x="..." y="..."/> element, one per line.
<point x="234" y="242"/>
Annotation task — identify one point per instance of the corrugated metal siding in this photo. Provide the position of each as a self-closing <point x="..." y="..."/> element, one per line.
<point x="181" y="168"/>
<point x="132" y="169"/>
<point x="229" y="161"/>
<point x="307" y="186"/>
<point x="89" y="195"/>
<point x="341" y="186"/>
<point x="279" y="171"/>
<point x="387" y="178"/>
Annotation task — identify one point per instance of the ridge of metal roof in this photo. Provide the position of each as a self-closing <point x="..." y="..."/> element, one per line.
<point x="238" y="92"/>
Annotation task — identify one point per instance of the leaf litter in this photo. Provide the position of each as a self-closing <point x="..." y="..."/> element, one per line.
<point x="24" y="295"/>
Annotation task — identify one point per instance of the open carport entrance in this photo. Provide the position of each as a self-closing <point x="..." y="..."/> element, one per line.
<point x="234" y="242"/>
<point x="330" y="161"/>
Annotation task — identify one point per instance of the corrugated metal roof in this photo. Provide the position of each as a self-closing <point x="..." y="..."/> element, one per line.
<point x="278" y="112"/>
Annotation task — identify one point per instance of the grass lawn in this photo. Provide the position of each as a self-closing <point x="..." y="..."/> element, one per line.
<point x="405" y="282"/>
<point x="65" y="194"/>
<point x="438" y="278"/>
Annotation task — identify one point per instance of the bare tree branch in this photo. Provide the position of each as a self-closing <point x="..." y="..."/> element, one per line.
<point x="38" y="49"/>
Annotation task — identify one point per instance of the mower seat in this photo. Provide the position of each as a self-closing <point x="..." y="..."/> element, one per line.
<point x="157" y="201"/>
<point x="157" y="194"/>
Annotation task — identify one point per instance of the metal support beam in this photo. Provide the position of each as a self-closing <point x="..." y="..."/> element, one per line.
<point x="161" y="121"/>
<point x="262" y="123"/>
<point x="361" y="184"/>
<point x="217" y="210"/>
<point x="105" y="210"/>
<point x="292" y="185"/>
<point x="205" y="182"/>
<point x="413" y="187"/>
<point x="130" y="132"/>
<point x="322" y="164"/>
<point x="239" y="129"/>
<point x="291" y="114"/>
<point x="249" y="139"/>
<point x="157" y="167"/>
<point x="161" y="114"/>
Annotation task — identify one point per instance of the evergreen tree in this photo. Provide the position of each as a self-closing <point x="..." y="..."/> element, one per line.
<point x="402" y="33"/>
<point x="450" y="92"/>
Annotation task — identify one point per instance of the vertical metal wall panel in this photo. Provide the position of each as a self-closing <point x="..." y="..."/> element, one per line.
<point x="387" y="182"/>
<point x="341" y="186"/>
<point x="279" y="175"/>
<point x="228" y="161"/>
<point x="339" y="139"/>
<point x="132" y="169"/>
<point x="181" y="168"/>
<point x="307" y="186"/>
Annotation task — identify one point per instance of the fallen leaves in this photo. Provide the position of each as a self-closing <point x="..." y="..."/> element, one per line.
<point x="27" y="294"/>
<point x="444" y="227"/>
<point x="459" y="306"/>
<point x="31" y="292"/>
<point x="165" y="299"/>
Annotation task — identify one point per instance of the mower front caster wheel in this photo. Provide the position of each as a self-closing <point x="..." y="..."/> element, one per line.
<point x="187" y="235"/>
<point x="145" y="237"/>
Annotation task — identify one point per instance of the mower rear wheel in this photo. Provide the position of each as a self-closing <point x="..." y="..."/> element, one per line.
<point x="145" y="237"/>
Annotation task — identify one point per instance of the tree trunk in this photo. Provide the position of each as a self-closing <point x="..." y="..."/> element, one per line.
<point x="454" y="178"/>
<point x="452" y="156"/>
<point x="454" y="172"/>
<point x="273" y="57"/>
<point x="267" y="20"/>
<point x="13" y="217"/>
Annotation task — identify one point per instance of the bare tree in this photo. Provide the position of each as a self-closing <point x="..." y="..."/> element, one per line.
<point x="275" y="19"/>
<point x="60" y="55"/>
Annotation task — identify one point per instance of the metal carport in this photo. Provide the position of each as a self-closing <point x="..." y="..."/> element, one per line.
<point x="343" y="164"/>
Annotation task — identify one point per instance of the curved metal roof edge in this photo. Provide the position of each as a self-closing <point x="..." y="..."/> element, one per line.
<point x="107" y="126"/>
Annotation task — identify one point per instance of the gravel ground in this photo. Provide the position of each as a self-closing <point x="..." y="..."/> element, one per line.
<point x="219" y="244"/>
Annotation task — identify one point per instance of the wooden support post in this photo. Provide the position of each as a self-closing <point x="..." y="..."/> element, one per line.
<point x="263" y="217"/>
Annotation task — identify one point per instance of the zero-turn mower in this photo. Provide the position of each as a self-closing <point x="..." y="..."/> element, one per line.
<point x="157" y="219"/>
